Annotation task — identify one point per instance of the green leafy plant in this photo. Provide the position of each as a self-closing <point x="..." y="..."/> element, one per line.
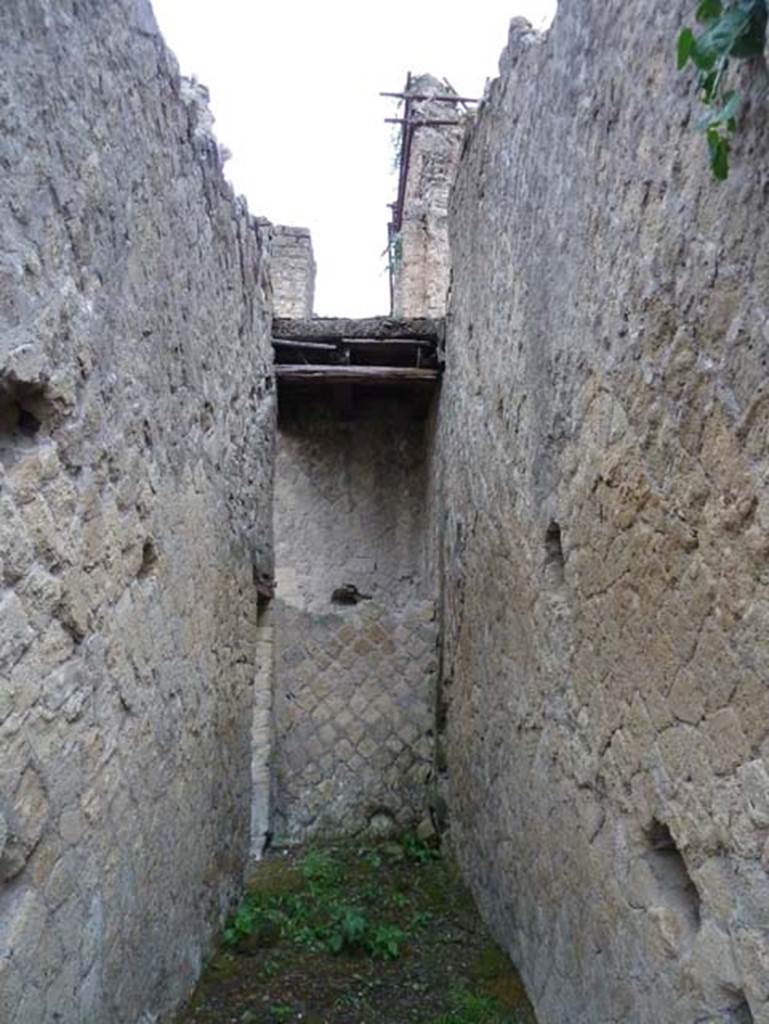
<point x="372" y="858"/>
<point x="318" y="916"/>
<point x="421" y="919"/>
<point x="384" y="942"/>
<point x="730" y="29"/>
<point x="470" y="1008"/>
<point x="320" y="869"/>
<point x="350" y="930"/>
<point x="417" y="850"/>
<point x="241" y="924"/>
<point x="281" y="1012"/>
<point x="347" y="930"/>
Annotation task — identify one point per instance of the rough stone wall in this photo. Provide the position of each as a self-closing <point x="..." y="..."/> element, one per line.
<point x="293" y="271"/>
<point x="136" y="449"/>
<point x="604" y="456"/>
<point x="354" y="684"/>
<point x="421" y="252"/>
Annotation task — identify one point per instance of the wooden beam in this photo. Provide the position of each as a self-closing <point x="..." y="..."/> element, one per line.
<point x="334" y="329"/>
<point x="308" y="373"/>
<point x="421" y="124"/>
<point x="395" y="343"/>
<point x="447" y="98"/>
<point x="315" y="345"/>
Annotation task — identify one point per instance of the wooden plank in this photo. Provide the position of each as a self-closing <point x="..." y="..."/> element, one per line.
<point x="422" y="124"/>
<point x="443" y="98"/>
<point x="386" y="343"/>
<point x="334" y="329"/>
<point x="316" y="345"/>
<point x="307" y="373"/>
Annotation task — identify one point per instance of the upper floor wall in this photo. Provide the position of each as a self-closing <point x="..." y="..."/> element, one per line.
<point x="292" y="270"/>
<point x="419" y="241"/>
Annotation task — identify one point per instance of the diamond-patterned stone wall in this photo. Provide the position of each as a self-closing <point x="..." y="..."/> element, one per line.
<point x="353" y="710"/>
<point x="355" y="714"/>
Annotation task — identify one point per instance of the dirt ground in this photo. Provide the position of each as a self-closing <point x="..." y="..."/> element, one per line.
<point x="353" y="934"/>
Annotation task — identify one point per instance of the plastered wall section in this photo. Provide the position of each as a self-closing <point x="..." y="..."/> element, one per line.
<point x="261" y="735"/>
<point x="603" y="456"/>
<point x="354" y="684"/>
<point x="136" y="454"/>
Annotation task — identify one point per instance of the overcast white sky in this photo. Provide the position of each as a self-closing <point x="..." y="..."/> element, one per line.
<point x="294" y="90"/>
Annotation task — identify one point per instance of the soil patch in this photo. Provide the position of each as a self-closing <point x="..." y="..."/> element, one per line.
<point x="346" y="934"/>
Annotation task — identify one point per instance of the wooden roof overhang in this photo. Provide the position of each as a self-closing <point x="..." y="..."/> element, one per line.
<point x="372" y="353"/>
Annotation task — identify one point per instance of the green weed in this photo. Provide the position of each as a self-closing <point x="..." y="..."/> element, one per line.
<point x="281" y="1013"/>
<point x="319" y="916"/>
<point x="347" y="930"/>
<point x="384" y="942"/>
<point x="417" y="850"/>
<point x="469" y="1008"/>
<point x="242" y="923"/>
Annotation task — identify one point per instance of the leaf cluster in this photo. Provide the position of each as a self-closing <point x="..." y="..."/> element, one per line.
<point x="735" y="29"/>
<point x="318" y="916"/>
<point x="350" y="931"/>
<point x="417" y="850"/>
<point x="471" y="1008"/>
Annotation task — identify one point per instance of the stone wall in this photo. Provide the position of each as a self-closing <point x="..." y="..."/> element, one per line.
<point x="136" y="441"/>
<point x="293" y="270"/>
<point x="354" y="683"/>
<point x="604" y="457"/>
<point x="420" y="251"/>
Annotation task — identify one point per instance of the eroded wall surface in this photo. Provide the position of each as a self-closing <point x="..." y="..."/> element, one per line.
<point x="136" y="438"/>
<point x="354" y="683"/>
<point x="420" y="250"/>
<point x="603" y="451"/>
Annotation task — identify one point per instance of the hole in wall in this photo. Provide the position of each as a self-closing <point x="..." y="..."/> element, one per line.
<point x="669" y="868"/>
<point x="207" y="418"/>
<point x="25" y="415"/>
<point x="554" y="560"/>
<point x="149" y="560"/>
<point x="264" y="582"/>
<point x="740" y="1013"/>
<point x="29" y="424"/>
<point x="348" y="593"/>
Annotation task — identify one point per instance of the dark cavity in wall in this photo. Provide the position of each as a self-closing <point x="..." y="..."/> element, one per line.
<point x="554" y="560"/>
<point x="669" y="869"/>
<point x="740" y="1012"/>
<point x="149" y="559"/>
<point x="25" y="416"/>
